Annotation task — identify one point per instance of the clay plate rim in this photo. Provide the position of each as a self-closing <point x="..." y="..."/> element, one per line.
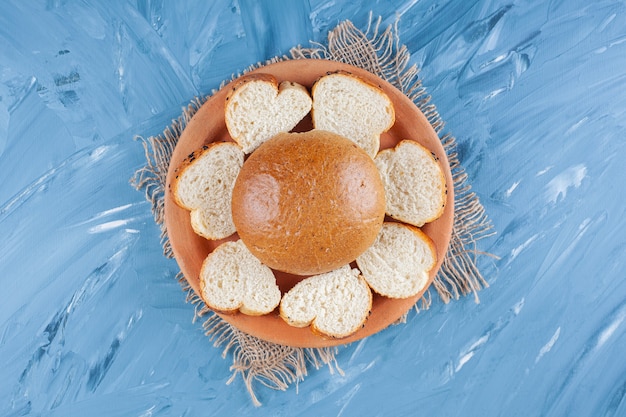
<point x="190" y="250"/>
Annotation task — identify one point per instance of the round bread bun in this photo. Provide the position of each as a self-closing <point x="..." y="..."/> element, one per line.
<point x="308" y="203"/>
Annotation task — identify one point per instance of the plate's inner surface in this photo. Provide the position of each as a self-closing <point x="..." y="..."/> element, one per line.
<point x="190" y="250"/>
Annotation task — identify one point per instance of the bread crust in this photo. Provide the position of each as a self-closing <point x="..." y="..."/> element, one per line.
<point x="245" y="79"/>
<point x="317" y="328"/>
<point x="250" y="126"/>
<point x="240" y="258"/>
<point x="441" y="178"/>
<point x="187" y="162"/>
<point x="180" y="171"/>
<point x="372" y="143"/>
<point x="374" y="265"/>
<point x="363" y="81"/>
<point x="308" y="203"/>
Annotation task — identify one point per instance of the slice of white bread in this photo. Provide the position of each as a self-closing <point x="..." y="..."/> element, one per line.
<point x="233" y="279"/>
<point x="352" y="107"/>
<point x="415" y="187"/>
<point x="398" y="264"/>
<point x="257" y="108"/>
<point x="204" y="185"/>
<point x="335" y="303"/>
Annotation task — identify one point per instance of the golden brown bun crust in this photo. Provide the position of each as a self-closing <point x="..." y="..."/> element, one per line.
<point x="308" y="203"/>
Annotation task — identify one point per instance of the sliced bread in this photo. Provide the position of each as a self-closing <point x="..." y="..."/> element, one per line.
<point x="398" y="264"/>
<point x="352" y="107"/>
<point x="204" y="185"/>
<point x="415" y="187"/>
<point x="335" y="303"/>
<point x="258" y="107"/>
<point x="233" y="279"/>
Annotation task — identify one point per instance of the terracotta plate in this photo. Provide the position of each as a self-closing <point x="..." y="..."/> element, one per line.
<point x="190" y="250"/>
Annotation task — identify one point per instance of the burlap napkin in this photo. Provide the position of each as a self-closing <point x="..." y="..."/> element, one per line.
<point x="381" y="53"/>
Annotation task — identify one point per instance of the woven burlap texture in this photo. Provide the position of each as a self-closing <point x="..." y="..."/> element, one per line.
<point x="381" y="53"/>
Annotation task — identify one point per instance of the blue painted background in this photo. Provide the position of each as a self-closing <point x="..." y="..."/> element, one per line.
<point x="92" y="321"/>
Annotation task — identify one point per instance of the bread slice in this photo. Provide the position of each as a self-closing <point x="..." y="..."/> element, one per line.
<point x="335" y="303"/>
<point x="233" y="279"/>
<point x="204" y="185"/>
<point x="352" y="107"/>
<point x="257" y="108"/>
<point x="415" y="187"/>
<point x="398" y="264"/>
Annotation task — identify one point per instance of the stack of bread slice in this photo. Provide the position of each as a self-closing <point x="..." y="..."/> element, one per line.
<point x="333" y="303"/>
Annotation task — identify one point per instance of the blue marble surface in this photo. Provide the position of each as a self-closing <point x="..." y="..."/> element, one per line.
<point x="92" y="321"/>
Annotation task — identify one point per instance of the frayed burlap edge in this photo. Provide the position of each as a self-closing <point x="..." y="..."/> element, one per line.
<point x="379" y="52"/>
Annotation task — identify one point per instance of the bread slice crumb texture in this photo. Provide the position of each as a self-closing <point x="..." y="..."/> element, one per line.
<point x="335" y="303"/>
<point x="415" y="187"/>
<point x="204" y="185"/>
<point x="258" y="108"/>
<point x="349" y="106"/>
<point x="233" y="279"/>
<point x="399" y="262"/>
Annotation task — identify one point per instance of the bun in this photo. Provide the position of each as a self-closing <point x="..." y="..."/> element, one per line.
<point x="308" y="203"/>
<point x="257" y="108"/>
<point x="204" y="184"/>
<point x="398" y="264"/>
<point x="352" y="107"/>
<point x="232" y="279"/>
<point x="335" y="304"/>
<point x="415" y="187"/>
